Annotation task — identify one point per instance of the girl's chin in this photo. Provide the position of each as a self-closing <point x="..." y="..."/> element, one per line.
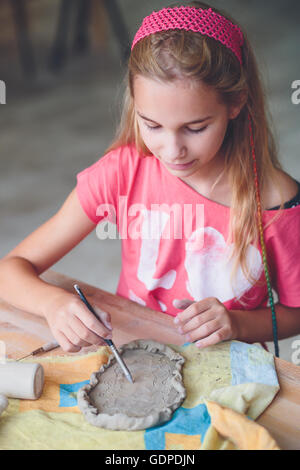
<point x="183" y="172"/>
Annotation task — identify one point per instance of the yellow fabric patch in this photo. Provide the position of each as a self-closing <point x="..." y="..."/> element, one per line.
<point x="205" y="370"/>
<point x="244" y="433"/>
<point x="182" y="442"/>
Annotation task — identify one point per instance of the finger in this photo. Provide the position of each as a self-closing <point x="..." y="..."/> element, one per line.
<point x="195" y="309"/>
<point x="84" y="333"/>
<point x="65" y="344"/>
<point x="205" y="330"/>
<point x="212" y="339"/>
<point x="182" y="303"/>
<point x="104" y="317"/>
<point x="196" y="322"/>
<point x="74" y="338"/>
<point x="92" y="322"/>
<point x="190" y="312"/>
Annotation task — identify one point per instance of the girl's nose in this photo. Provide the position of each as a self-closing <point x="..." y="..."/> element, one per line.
<point x="173" y="151"/>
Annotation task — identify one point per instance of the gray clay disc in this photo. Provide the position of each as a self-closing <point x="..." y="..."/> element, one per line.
<point x="110" y="401"/>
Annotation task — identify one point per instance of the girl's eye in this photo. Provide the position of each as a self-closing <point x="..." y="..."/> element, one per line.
<point x="152" y="128"/>
<point x="196" y="131"/>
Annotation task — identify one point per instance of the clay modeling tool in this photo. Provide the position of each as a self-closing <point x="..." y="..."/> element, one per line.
<point x="107" y="341"/>
<point x="42" y="349"/>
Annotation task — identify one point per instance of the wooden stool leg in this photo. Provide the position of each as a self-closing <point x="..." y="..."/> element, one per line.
<point x="119" y="27"/>
<point x="58" y="53"/>
<point x="24" y="44"/>
<point x="81" y="39"/>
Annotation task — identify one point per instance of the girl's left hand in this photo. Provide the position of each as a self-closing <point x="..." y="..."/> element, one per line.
<point x="206" y="322"/>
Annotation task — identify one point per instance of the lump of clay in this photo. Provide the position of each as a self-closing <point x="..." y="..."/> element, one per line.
<point x="110" y="401"/>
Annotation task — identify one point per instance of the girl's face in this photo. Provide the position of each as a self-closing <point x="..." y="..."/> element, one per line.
<point x="182" y="123"/>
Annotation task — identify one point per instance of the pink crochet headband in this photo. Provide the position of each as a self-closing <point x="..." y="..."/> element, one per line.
<point x="206" y="22"/>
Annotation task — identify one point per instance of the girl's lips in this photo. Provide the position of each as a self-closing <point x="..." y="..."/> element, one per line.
<point x="179" y="167"/>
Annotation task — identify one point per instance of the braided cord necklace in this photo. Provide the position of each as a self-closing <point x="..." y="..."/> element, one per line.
<point x="262" y="243"/>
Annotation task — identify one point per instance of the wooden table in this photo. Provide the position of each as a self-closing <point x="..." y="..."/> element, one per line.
<point x="133" y="321"/>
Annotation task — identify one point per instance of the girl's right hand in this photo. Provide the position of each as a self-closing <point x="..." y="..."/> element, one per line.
<point x="73" y="325"/>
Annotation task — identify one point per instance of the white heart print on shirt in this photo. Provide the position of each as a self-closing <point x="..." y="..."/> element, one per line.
<point x="206" y="262"/>
<point x="208" y="267"/>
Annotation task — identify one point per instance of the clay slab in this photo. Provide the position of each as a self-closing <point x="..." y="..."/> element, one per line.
<point x="110" y="401"/>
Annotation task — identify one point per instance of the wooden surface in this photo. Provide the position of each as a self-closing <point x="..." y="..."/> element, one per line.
<point x="132" y="321"/>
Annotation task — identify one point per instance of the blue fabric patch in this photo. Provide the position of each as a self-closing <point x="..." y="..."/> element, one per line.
<point x="189" y="421"/>
<point x="251" y="364"/>
<point x="67" y="392"/>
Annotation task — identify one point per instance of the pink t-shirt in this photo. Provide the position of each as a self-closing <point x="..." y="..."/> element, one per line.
<point x="174" y="239"/>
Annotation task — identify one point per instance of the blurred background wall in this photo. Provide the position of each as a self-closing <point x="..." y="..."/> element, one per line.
<point x="63" y="98"/>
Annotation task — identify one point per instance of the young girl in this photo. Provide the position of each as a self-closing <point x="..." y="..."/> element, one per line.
<point x="209" y="221"/>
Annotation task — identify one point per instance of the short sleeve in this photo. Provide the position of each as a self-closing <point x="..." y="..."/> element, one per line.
<point x="97" y="188"/>
<point x="283" y="251"/>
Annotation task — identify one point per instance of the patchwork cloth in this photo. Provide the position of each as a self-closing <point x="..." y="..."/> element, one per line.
<point x="226" y="385"/>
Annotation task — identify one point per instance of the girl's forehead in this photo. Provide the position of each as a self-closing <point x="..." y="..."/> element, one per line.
<point x="178" y="96"/>
<point x="185" y="85"/>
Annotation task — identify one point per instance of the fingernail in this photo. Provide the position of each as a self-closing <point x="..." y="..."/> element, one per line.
<point x="198" y="344"/>
<point x="176" y="320"/>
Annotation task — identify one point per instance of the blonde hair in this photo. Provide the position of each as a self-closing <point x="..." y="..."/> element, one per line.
<point x="172" y="55"/>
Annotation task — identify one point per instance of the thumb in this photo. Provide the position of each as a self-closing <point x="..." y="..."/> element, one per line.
<point x="181" y="304"/>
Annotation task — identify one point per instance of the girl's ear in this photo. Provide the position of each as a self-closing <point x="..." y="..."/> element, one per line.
<point x="235" y="108"/>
